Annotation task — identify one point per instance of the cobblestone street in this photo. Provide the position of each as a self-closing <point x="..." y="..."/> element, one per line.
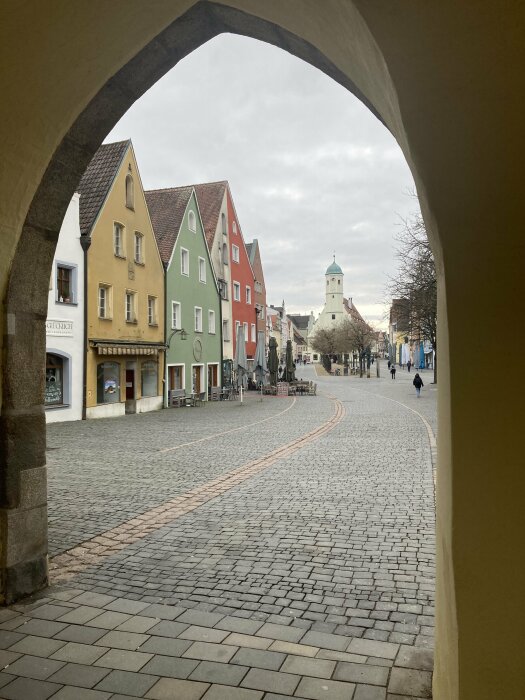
<point x="282" y="548"/>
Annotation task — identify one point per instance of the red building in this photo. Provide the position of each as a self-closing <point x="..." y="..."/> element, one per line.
<point x="242" y="284"/>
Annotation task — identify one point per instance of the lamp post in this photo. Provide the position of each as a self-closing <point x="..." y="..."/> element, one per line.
<point x="183" y="336"/>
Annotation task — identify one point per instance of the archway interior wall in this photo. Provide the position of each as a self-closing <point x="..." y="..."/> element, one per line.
<point x="428" y="80"/>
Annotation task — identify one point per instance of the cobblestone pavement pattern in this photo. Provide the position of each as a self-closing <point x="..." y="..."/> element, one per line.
<point x="308" y="574"/>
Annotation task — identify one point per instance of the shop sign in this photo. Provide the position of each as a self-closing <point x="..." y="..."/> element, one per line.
<point x="57" y="327"/>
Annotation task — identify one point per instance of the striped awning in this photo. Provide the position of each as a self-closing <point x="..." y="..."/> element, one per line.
<point x="127" y="349"/>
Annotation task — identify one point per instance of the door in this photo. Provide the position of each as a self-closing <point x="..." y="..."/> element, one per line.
<point x="130" y="384"/>
<point x="197" y="379"/>
<point x="212" y="376"/>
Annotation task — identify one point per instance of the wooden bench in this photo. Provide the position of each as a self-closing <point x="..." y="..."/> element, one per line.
<point x="176" y="397"/>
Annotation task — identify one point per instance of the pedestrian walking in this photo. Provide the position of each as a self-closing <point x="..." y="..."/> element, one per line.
<point x="389" y="363"/>
<point x="393" y="371"/>
<point x="418" y="383"/>
<point x="409" y="365"/>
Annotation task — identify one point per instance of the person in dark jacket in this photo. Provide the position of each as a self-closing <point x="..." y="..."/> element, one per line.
<point x="393" y="371"/>
<point x="409" y="365"/>
<point x="418" y="383"/>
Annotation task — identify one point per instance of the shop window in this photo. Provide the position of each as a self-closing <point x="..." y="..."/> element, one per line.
<point x="108" y="382"/>
<point x="130" y="192"/>
<point x="149" y="378"/>
<point x="54" y="389"/>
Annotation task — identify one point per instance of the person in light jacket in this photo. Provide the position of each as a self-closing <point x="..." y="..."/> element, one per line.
<point x="418" y="383"/>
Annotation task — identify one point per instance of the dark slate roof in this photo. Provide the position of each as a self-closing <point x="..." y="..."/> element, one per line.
<point x="250" y="248"/>
<point x="97" y="180"/>
<point x="209" y="197"/>
<point x="352" y="311"/>
<point x="300" y="322"/>
<point x="166" y="210"/>
<point x="298" y="338"/>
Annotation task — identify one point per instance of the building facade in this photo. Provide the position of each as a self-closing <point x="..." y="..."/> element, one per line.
<point x="254" y="254"/>
<point x="125" y="281"/>
<point x="65" y="324"/>
<point x="193" y="332"/>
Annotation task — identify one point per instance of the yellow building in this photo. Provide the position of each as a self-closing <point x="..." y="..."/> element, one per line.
<point x="125" y="288"/>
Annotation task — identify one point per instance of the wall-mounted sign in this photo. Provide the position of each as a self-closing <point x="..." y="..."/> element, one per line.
<point x="57" y="327"/>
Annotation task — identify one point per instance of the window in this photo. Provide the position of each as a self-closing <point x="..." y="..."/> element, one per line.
<point x="234" y="227"/>
<point x="108" y="382"/>
<point x="149" y="381"/>
<point x="223" y="224"/>
<point x="104" y="301"/>
<point x="223" y="289"/>
<point x="248" y="294"/>
<point x="198" y="319"/>
<point x="235" y="253"/>
<point x="175" y="315"/>
<point x="184" y="262"/>
<point x="152" y="311"/>
<point x="333" y="317"/>
<point x="202" y="270"/>
<point x="130" y="310"/>
<point x="66" y="282"/>
<point x="254" y="337"/>
<point x="54" y="389"/>
<point x="236" y="291"/>
<point x="237" y="326"/>
<point x="245" y="331"/>
<point x="226" y="331"/>
<point x="224" y="254"/>
<point x="118" y="240"/>
<point x="130" y="193"/>
<point x="211" y="321"/>
<point x="192" y="221"/>
<point x="139" y="245"/>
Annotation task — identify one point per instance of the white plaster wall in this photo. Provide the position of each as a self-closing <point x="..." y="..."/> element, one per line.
<point x="149" y="403"/>
<point x="107" y="410"/>
<point x="69" y="252"/>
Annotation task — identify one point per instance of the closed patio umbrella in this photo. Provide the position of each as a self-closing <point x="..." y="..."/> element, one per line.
<point x="241" y="365"/>
<point x="289" y="370"/>
<point x="273" y="361"/>
<point x="260" y="360"/>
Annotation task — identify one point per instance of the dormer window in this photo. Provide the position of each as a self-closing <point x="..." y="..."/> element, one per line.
<point x="130" y="193"/>
<point x="192" y="221"/>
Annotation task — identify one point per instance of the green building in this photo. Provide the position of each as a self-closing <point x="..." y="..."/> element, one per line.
<point x="193" y="316"/>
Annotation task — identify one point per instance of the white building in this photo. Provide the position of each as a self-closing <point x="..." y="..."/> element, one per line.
<point x="65" y="323"/>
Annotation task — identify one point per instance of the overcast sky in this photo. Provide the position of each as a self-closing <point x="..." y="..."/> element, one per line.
<point x="311" y="170"/>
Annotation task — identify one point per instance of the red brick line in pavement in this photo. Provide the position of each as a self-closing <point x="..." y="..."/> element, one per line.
<point x="64" y="566"/>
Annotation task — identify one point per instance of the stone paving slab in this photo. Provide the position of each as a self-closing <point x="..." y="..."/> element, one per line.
<point x="312" y="578"/>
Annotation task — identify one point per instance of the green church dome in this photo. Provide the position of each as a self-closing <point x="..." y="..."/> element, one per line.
<point x="333" y="269"/>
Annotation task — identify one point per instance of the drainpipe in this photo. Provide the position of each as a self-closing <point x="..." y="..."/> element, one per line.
<point x="165" y="377"/>
<point x="222" y="341"/>
<point x="85" y="242"/>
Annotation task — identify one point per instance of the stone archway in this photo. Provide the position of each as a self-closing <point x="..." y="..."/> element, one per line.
<point x="426" y="73"/>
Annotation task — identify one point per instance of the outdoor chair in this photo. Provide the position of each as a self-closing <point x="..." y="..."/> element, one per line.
<point x="215" y="393"/>
<point x="176" y="397"/>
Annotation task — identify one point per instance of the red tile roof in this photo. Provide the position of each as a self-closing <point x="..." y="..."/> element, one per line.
<point x="166" y="210"/>
<point x="209" y="198"/>
<point x="97" y="180"/>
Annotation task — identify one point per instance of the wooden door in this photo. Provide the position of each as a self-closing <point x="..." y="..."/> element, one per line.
<point x="197" y="380"/>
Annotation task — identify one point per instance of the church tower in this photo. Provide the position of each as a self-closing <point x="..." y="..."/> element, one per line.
<point x="334" y="291"/>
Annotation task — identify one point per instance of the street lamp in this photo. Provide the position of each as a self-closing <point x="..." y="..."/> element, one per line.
<point x="183" y="335"/>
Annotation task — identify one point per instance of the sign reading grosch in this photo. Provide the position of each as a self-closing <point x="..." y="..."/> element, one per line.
<point x="58" y="327"/>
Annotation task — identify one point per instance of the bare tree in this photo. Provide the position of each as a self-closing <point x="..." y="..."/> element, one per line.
<point x="324" y="342"/>
<point x="415" y="282"/>
<point x="355" y="335"/>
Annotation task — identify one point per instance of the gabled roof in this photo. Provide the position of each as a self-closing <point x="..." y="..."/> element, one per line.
<point x="250" y="249"/>
<point x="209" y="197"/>
<point x="166" y="210"/>
<point x="97" y="180"/>
<point x="352" y="311"/>
<point x="300" y="322"/>
<point x="298" y="337"/>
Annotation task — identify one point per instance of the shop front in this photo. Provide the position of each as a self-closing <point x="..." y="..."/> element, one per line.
<point x="124" y="378"/>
